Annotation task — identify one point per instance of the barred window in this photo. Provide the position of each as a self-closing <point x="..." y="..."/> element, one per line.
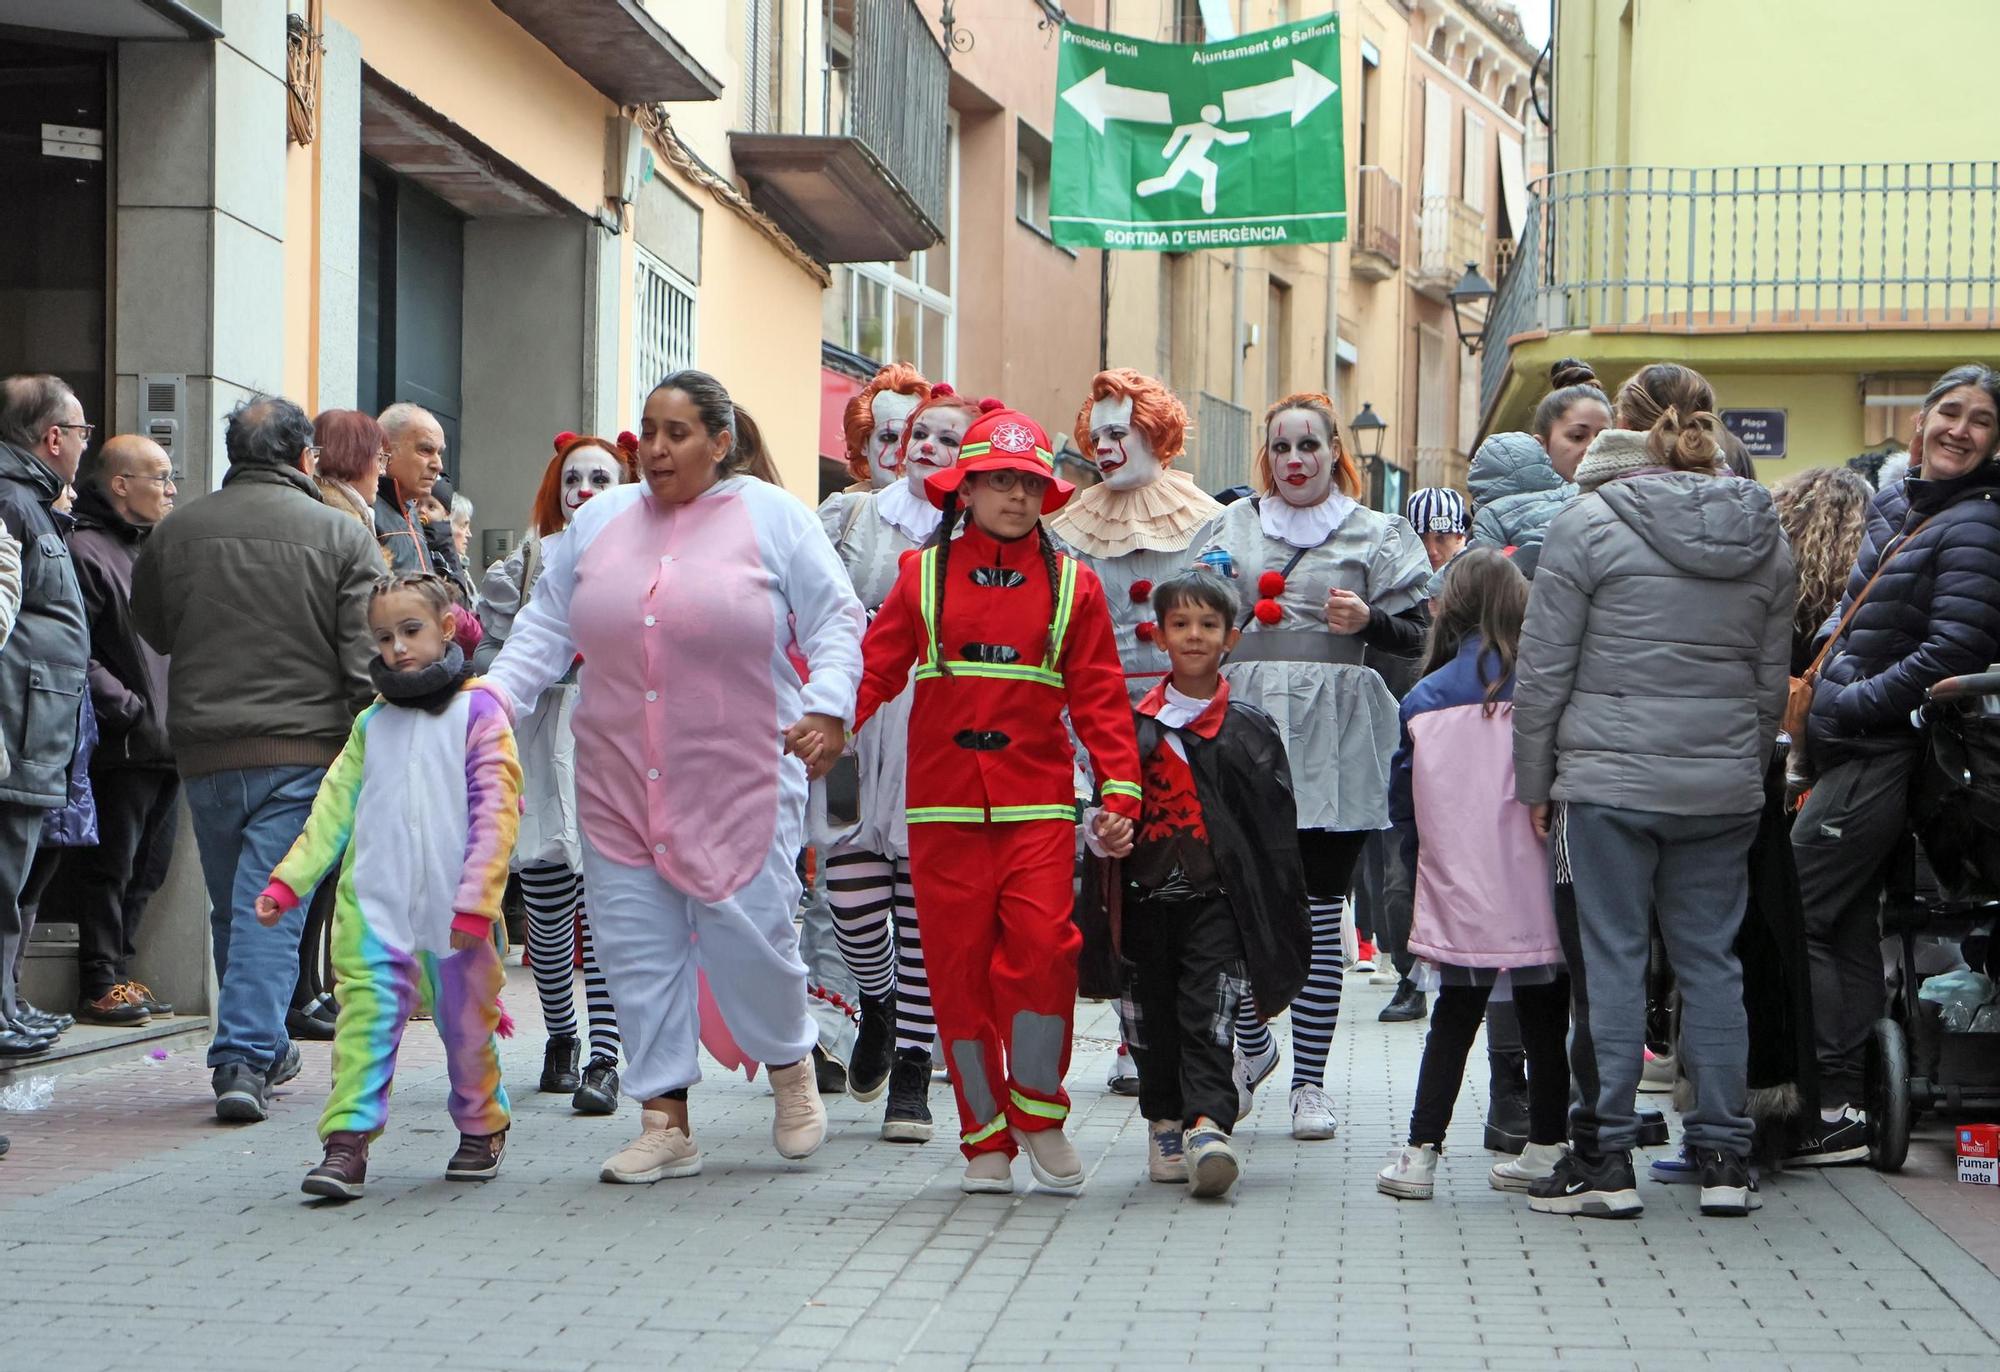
<point x="666" y="321"/>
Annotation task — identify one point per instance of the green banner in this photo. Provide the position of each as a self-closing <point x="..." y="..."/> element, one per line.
<point x="1172" y="147"/>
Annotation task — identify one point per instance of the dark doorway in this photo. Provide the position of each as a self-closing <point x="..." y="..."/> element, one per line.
<point x="54" y="109"/>
<point x="412" y="287"/>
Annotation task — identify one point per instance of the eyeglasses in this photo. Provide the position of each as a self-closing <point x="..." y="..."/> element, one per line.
<point x="163" y="478"/>
<point x="312" y="451"/>
<point x="1004" y="479"/>
<point x="88" y="429"/>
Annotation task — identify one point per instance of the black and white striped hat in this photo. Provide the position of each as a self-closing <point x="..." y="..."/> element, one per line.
<point x="1436" y="510"/>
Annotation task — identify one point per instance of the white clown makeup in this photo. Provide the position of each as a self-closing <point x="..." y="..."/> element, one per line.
<point x="587" y="472"/>
<point x="1302" y="457"/>
<point x="1124" y="456"/>
<point x="891" y="412"/>
<point x="935" y="436"/>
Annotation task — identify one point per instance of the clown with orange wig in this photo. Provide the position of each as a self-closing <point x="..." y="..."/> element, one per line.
<point x="900" y="430"/>
<point x="547" y="857"/>
<point x="1327" y="579"/>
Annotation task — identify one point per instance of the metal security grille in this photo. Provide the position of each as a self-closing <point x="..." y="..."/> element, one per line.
<point x="666" y="321"/>
<point x="1218" y="454"/>
<point x="762" y="21"/>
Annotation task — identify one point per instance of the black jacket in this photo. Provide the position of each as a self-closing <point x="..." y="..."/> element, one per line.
<point x="409" y="544"/>
<point x="43" y="664"/>
<point x="128" y="680"/>
<point x="1245" y="786"/>
<point x="1934" y="613"/>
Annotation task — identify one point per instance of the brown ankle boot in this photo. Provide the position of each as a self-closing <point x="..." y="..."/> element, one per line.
<point x="477" y="1158"/>
<point x="341" y="1174"/>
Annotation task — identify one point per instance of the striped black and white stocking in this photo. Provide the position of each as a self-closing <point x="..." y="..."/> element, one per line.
<point x="915" y="1025"/>
<point x="553" y="893"/>
<point x="862" y="888"/>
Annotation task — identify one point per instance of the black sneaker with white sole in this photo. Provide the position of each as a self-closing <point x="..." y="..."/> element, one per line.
<point x="285" y="1068"/>
<point x="1831" y="1145"/>
<point x="239" y="1093"/>
<point x="1601" y="1187"/>
<point x="1727" y="1187"/>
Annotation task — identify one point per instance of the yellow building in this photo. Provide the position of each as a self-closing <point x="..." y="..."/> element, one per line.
<point x="1440" y="132"/>
<point x="1732" y="189"/>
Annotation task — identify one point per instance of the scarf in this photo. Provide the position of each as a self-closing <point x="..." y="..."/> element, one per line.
<point x="429" y="689"/>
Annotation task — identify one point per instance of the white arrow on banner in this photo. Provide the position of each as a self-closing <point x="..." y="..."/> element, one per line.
<point x="1297" y="95"/>
<point x="1097" y="100"/>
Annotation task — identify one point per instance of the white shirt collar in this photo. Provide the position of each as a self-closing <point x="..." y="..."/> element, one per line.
<point x="1178" y="710"/>
<point x="905" y="510"/>
<point x="1303" y="526"/>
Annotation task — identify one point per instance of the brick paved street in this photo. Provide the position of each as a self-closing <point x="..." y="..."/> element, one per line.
<point x="138" y="1233"/>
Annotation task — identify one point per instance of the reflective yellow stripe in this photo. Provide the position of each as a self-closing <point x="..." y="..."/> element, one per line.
<point x="1045" y="1109"/>
<point x="1123" y="788"/>
<point x="996" y="671"/>
<point x="986" y="1131"/>
<point x="972" y="450"/>
<point x="945" y="814"/>
<point x="927" y="601"/>
<point x="1010" y="814"/>
<point x="1065" y="596"/>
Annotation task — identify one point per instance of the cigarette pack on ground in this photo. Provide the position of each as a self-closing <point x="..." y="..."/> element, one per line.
<point x="1979" y="1154"/>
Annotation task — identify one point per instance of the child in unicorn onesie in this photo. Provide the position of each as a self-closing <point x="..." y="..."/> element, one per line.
<point x="1136" y="528"/>
<point x="425" y="802"/>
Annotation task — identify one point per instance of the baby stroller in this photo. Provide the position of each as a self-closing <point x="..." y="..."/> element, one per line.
<point x="1944" y="881"/>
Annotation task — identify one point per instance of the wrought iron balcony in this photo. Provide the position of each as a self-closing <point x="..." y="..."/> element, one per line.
<point x="1792" y="247"/>
<point x="870" y="186"/>
<point x="1377" y="244"/>
<point x="1450" y="233"/>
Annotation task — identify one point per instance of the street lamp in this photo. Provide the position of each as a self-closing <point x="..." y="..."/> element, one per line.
<point x="1472" y="290"/>
<point x="1368" y="430"/>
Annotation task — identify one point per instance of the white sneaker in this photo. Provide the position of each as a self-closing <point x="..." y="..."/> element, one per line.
<point x="1385" y="973"/>
<point x="1250" y="1074"/>
<point x="1536" y="1161"/>
<point x="1166" y="1160"/>
<point x="1657" y="1077"/>
<point x="799" y="1126"/>
<point x="1123" y="1076"/>
<point x="661" y="1151"/>
<point x="1052" y="1158"/>
<point x="1411" y="1173"/>
<point x="988" y="1174"/>
<point x="1363" y="965"/>
<point x="1312" y="1114"/>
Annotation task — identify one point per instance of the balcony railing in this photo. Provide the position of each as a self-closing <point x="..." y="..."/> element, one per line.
<point x="1450" y="233"/>
<point x="1834" y="246"/>
<point x="1219" y="457"/>
<point x="1377" y="243"/>
<point x="871" y="186"/>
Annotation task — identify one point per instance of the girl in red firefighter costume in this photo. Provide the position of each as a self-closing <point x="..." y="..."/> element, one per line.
<point x="1005" y="633"/>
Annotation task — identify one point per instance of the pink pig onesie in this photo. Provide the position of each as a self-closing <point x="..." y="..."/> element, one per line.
<point x="691" y="815"/>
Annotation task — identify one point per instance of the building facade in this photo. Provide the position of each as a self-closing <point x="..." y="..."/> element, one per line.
<point x="1719" y="196"/>
<point x="1440" y="133"/>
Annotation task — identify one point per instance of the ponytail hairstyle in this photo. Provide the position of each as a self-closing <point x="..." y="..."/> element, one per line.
<point x="756" y="457"/>
<point x="1570" y="381"/>
<point x="1675" y="407"/>
<point x="1346" y="476"/>
<point x="857" y="421"/>
<point x="1484" y="597"/>
<point x="948" y="524"/>
<point x="546" y="513"/>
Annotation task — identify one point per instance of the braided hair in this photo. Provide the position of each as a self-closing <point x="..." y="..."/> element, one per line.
<point x="941" y="540"/>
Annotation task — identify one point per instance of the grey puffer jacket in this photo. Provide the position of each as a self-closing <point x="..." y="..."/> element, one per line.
<point x="1655" y="655"/>
<point x="48" y="651"/>
<point x="1516" y="491"/>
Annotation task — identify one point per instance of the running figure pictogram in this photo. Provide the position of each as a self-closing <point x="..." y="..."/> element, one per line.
<point x="1192" y="141"/>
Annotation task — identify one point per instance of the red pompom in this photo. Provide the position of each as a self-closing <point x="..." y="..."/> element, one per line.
<point x="990" y="404"/>
<point x="1141" y="589"/>
<point x="1271" y="585"/>
<point x="564" y="439"/>
<point x="942" y="388"/>
<point x="628" y="440"/>
<point x="1269" y="611"/>
<point x="1147" y="631"/>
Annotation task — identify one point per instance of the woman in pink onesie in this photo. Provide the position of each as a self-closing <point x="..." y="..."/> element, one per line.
<point x="683" y="594"/>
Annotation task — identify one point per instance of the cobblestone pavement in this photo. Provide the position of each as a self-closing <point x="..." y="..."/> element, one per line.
<point x="138" y="1233"/>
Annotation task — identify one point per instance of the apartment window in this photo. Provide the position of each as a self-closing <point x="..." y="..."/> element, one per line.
<point x="666" y="320"/>
<point x="1031" y="179"/>
<point x="1371" y="95"/>
<point x="1188" y="27"/>
<point x="902" y="311"/>
<point x="763" y="23"/>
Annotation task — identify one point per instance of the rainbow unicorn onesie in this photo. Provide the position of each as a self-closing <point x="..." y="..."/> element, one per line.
<point x="425" y="799"/>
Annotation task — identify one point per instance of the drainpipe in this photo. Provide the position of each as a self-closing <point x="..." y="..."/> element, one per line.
<point x="1236" y="326"/>
<point x="1332" y="386"/>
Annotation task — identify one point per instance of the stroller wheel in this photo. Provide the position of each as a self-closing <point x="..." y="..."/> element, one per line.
<point x="1886" y="1084"/>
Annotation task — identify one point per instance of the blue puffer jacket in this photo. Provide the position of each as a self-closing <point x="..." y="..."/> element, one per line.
<point x="1934" y="613"/>
<point x="1516" y="491"/>
<point x="73" y="824"/>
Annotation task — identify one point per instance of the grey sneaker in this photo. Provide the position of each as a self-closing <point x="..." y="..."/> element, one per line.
<point x="284" y="1069"/>
<point x="239" y="1093"/>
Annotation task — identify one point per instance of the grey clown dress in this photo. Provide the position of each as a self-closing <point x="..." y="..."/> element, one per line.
<point x="1336" y="715"/>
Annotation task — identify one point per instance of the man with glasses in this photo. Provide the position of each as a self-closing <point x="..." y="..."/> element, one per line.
<point x="127" y="488"/>
<point x="42" y="667"/>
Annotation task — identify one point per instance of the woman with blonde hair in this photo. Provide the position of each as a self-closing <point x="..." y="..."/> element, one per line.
<point x="1651" y="679"/>
<point x="1824" y="512"/>
<point x="1330" y="579"/>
